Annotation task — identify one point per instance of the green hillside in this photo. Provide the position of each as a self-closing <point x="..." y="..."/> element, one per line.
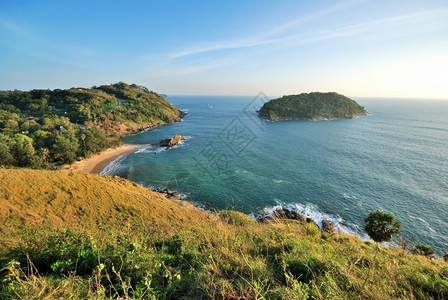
<point x="41" y="128"/>
<point x="312" y="106"/>
<point x="70" y="235"/>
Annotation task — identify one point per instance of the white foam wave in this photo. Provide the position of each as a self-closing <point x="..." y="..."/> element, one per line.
<point x="279" y="181"/>
<point x="424" y="223"/>
<point x="114" y="166"/>
<point x="314" y="213"/>
<point x="152" y="150"/>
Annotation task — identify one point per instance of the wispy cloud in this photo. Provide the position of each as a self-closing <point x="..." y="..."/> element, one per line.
<point x="391" y="26"/>
<point x="280" y="34"/>
<point x="265" y="37"/>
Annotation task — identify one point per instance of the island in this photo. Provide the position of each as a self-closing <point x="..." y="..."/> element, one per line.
<point x="311" y="106"/>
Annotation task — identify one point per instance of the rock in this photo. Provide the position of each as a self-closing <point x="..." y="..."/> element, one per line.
<point x="328" y="226"/>
<point x="166" y="192"/>
<point x="171" y="142"/>
<point x="285" y="213"/>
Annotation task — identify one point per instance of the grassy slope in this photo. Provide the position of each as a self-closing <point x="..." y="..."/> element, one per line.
<point x="130" y="242"/>
<point x="50" y="199"/>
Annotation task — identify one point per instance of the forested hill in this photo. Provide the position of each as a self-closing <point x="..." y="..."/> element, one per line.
<point x="312" y="106"/>
<point x="40" y="128"/>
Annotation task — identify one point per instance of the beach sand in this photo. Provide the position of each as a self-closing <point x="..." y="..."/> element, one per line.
<point x="97" y="162"/>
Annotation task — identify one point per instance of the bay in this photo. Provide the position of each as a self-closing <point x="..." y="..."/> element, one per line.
<point x="395" y="159"/>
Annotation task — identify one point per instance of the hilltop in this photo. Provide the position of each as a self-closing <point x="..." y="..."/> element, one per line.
<point x="312" y="106"/>
<point x="43" y="128"/>
<point x="75" y="235"/>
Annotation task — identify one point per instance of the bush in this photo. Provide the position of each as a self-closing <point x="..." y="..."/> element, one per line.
<point x="235" y="218"/>
<point x="305" y="269"/>
<point x="422" y="249"/>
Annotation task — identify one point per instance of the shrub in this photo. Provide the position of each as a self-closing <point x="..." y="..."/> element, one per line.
<point x="235" y="218"/>
<point x="305" y="269"/>
<point x="422" y="249"/>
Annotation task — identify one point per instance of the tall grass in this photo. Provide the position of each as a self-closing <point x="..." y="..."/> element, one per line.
<point x="151" y="254"/>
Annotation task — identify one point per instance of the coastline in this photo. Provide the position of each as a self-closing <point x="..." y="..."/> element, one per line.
<point x="96" y="163"/>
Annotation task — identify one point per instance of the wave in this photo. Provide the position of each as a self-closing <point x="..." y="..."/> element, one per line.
<point x="314" y="213"/>
<point x="279" y="181"/>
<point x="151" y="149"/>
<point x="114" y="167"/>
<point x="155" y="149"/>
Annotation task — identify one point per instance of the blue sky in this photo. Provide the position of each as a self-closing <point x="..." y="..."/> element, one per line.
<point x="354" y="47"/>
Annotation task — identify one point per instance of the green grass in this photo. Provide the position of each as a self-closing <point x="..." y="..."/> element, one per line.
<point x="163" y="250"/>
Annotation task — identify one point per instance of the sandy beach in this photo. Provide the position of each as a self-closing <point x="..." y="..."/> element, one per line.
<point x="97" y="162"/>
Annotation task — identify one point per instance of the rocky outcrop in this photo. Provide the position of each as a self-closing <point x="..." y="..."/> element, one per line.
<point x="285" y="213"/>
<point x="328" y="226"/>
<point x="171" y="142"/>
<point x="166" y="192"/>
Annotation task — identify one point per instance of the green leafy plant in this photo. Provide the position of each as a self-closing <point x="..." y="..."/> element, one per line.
<point x="381" y="226"/>
<point x="422" y="249"/>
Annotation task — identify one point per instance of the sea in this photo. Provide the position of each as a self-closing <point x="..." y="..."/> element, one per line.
<point x="394" y="159"/>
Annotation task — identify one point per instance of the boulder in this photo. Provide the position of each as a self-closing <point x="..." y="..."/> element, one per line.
<point x="171" y="142"/>
<point x="328" y="226"/>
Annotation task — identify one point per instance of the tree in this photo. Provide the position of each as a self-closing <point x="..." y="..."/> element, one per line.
<point x="65" y="147"/>
<point x="6" y="158"/>
<point x="96" y="139"/>
<point x="422" y="249"/>
<point x="381" y="226"/>
<point x="445" y="257"/>
<point x="23" y="150"/>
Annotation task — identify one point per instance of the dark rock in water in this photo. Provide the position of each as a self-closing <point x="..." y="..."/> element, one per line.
<point x="171" y="142"/>
<point x="166" y="192"/>
<point x="328" y="226"/>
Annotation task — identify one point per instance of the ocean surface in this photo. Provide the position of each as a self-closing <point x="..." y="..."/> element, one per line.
<point x="395" y="159"/>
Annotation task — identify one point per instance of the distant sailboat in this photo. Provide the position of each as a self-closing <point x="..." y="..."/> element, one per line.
<point x="210" y="107"/>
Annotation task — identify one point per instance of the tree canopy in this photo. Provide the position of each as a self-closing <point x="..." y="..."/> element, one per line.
<point x="381" y="226"/>
<point x="46" y="127"/>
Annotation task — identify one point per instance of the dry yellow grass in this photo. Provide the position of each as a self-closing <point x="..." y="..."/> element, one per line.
<point x="54" y="199"/>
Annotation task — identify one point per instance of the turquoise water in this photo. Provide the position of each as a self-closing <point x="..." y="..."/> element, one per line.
<point x="395" y="159"/>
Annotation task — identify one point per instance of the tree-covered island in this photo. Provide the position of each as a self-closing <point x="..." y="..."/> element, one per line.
<point x="312" y="106"/>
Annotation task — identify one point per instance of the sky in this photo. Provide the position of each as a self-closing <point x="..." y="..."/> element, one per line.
<point x="358" y="48"/>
